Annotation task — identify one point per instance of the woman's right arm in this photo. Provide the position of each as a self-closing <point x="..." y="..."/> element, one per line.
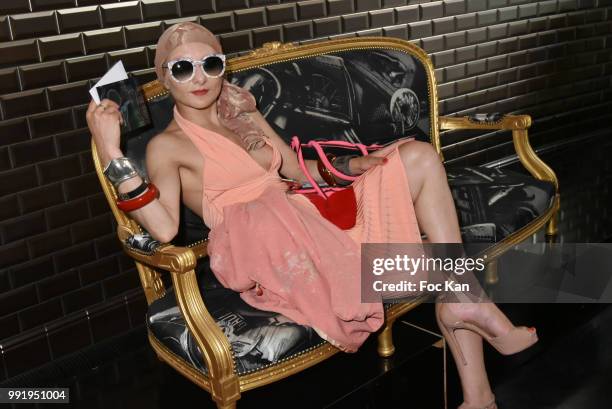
<point x="161" y="216"/>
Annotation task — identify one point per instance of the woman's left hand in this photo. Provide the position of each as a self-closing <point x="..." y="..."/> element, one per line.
<point x="360" y="164"/>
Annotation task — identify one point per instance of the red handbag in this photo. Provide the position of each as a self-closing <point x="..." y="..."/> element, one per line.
<point x="336" y="204"/>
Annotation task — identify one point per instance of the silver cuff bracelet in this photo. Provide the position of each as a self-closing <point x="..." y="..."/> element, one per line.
<point x="119" y="170"/>
<point x="341" y="163"/>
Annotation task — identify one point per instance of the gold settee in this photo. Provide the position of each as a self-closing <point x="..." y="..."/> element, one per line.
<point x="221" y="379"/>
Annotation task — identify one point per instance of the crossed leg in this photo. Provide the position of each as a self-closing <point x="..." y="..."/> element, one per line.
<point x="437" y="217"/>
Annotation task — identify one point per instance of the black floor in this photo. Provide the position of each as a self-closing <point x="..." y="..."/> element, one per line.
<point x="570" y="368"/>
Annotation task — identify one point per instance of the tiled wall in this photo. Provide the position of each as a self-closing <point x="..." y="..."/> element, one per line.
<point x="64" y="283"/>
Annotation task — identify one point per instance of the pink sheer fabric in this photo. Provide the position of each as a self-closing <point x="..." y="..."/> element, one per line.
<point x="307" y="268"/>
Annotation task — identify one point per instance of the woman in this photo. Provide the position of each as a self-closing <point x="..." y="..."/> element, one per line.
<point x="222" y="159"/>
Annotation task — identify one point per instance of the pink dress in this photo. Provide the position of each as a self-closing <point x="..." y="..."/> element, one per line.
<point x="306" y="268"/>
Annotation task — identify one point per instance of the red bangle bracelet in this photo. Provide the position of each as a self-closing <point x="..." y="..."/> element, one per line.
<point x="136" y="203"/>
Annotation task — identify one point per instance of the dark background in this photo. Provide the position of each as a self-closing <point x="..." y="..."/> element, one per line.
<point x="64" y="283"/>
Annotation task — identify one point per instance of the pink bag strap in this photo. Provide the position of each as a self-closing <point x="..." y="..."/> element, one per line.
<point x="317" y="145"/>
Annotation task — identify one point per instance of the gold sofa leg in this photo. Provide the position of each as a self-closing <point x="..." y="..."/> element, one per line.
<point x="385" y="341"/>
<point x="231" y="405"/>
<point x="491" y="277"/>
<point x="551" y="226"/>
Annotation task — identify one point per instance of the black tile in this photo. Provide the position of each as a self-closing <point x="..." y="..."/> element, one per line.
<point x="98" y="204"/>
<point x="70" y="338"/>
<point x="38" y="5"/>
<point x="267" y="34"/>
<point x="238" y="41"/>
<point x="158" y="9"/>
<point x="5" y="284"/>
<point x="14" y="6"/>
<point x="33" y="151"/>
<point x="192" y="7"/>
<point x="42" y="197"/>
<point x="143" y="34"/>
<point x="59" y="284"/>
<point x="91" y="228"/>
<point x="420" y="29"/>
<point x="13" y="131"/>
<point x="73" y="141"/>
<point x="108" y="245"/>
<point x="431" y="10"/>
<point x="18" y="52"/>
<point x="13" y="253"/>
<point x="106" y="39"/>
<point x="5" y="160"/>
<point x="9" y="82"/>
<point x="33" y="25"/>
<point x="366" y="5"/>
<point x="98" y="270"/>
<point x="249" y="18"/>
<point x="9" y="207"/>
<point x="78" y="19"/>
<point x="47" y="243"/>
<point x="311" y="9"/>
<point x="60" y="169"/>
<point x="26" y="351"/>
<point x="67" y="213"/>
<point x="106" y="324"/>
<point x="121" y="13"/>
<point x="282" y="13"/>
<point x="9" y="326"/>
<point x="88" y="67"/>
<point x="133" y="59"/>
<point x="398" y="31"/>
<point x="23" y="226"/>
<point x="382" y="18"/>
<point x="32" y="271"/>
<point x="62" y="46"/>
<point x="339" y="7"/>
<point x="24" y="103"/>
<point x="218" y="22"/>
<point x="40" y="313"/>
<point x="50" y="123"/>
<point x="355" y="22"/>
<point x="121" y="283"/>
<point x="18" y="180"/>
<point x="230" y="5"/>
<point x="18" y="299"/>
<point x="83" y="298"/>
<point x="298" y="31"/>
<point x="82" y="186"/>
<point x="137" y="308"/>
<point x="5" y="31"/>
<point x="327" y="26"/>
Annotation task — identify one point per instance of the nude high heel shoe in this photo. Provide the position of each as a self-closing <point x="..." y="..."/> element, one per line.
<point x="517" y="340"/>
<point x="490" y="405"/>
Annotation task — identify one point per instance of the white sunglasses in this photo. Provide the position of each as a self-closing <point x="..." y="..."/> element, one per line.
<point x="183" y="70"/>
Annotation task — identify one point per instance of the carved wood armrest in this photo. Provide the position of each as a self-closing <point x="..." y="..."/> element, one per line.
<point x="486" y="121"/>
<point x="518" y="124"/>
<point x="175" y="259"/>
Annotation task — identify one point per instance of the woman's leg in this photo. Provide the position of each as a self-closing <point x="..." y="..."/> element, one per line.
<point x="437" y="217"/>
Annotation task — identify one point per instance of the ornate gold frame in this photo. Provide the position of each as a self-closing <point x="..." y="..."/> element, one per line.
<point x="222" y="381"/>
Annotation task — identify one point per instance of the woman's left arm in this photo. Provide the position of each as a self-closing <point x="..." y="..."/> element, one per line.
<point x="290" y="167"/>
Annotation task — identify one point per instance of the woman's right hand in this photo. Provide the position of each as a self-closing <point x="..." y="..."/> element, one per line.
<point x="104" y="122"/>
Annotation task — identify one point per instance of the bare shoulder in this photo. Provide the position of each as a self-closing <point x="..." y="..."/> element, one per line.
<point x="167" y="146"/>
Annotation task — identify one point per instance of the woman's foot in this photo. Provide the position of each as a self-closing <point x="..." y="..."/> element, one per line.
<point x="486" y="320"/>
<point x="486" y="315"/>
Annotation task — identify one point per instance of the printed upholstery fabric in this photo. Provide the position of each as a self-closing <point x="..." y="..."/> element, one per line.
<point x="258" y="338"/>
<point x="493" y="203"/>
